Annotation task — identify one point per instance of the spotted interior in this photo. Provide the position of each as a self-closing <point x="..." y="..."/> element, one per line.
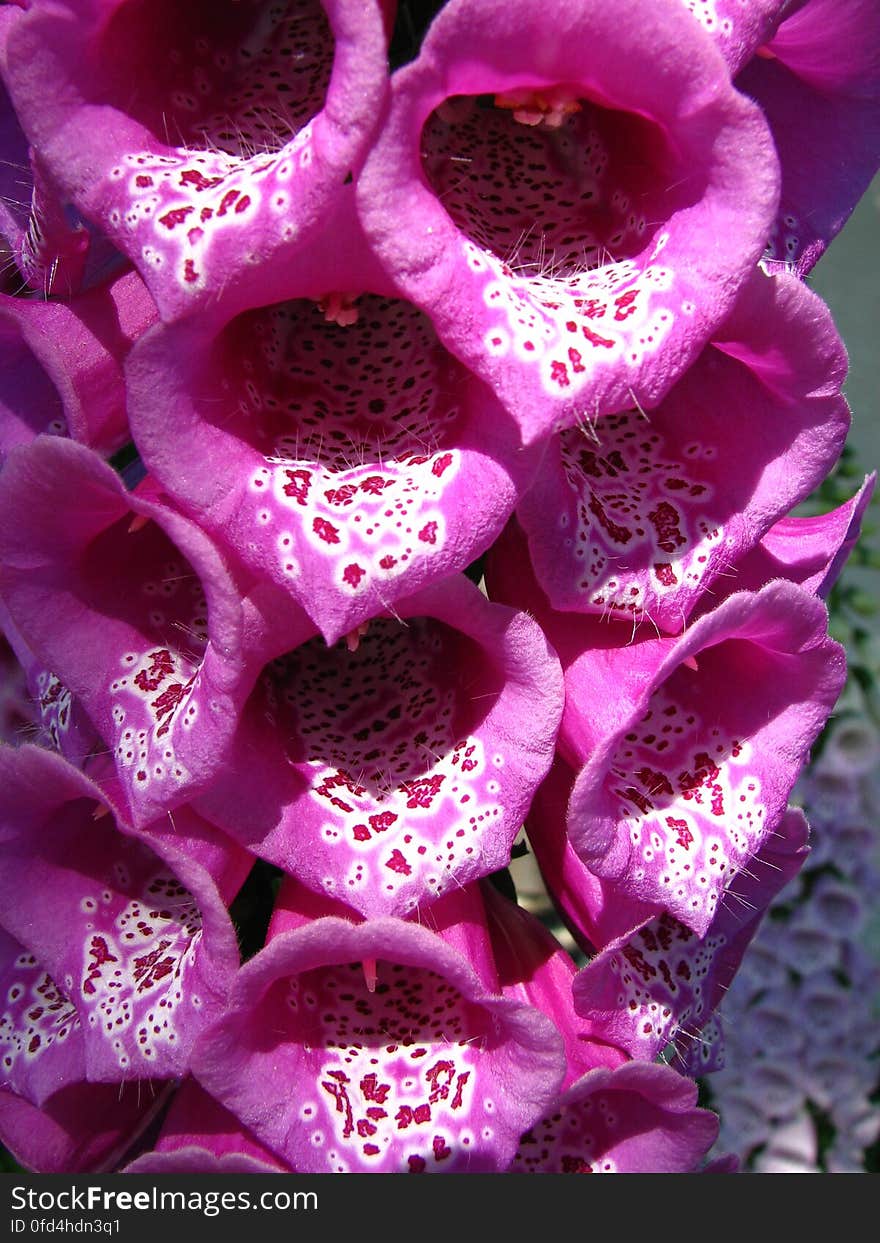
<point x="573" y="1140"/>
<point x="237" y="76"/>
<point x="152" y="685"/>
<point x="639" y="523"/>
<point x="395" y="1081"/>
<point x="139" y="979"/>
<point x="355" y="427"/>
<point x="687" y="785"/>
<point x="39" y="1024"/>
<point x="231" y="89"/>
<point x="64" y="725"/>
<point x="404" y="793"/>
<point x="611" y="1132"/>
<point x="564" y="224"/>
<point x="664" y="985"/>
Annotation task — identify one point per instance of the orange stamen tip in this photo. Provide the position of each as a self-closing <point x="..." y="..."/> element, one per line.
<point x="100" y="811"/>
<point x="353" y="638"/>
<point x="550" y="108"/>
<point x="690" y="662"/>
<point x="339" y="308"/>
<point x="370" y="973"/>
<point x="138" y="522"/>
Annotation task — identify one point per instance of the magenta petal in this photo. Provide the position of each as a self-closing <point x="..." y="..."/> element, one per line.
<point x="738" y="27"/>
<point x="818" y="82"/>
<point x="199" y="1136"/>
<point x="86" y="1128"/>
<point x="594" y="912"/>
<point x="576" y="261"/>
<point x="387" y="775"/>
<point x="643" y="519"/>
<point x="534" y="968"/>
<point x="41" y="1039"/>
<point x="139" y="942"/>
<point x="63" y="363"/>
<point x="691" y="778"/>
<point x="663" y="983"/>
<point x="131" y="607"/>
<point x="808" y="551"/>
<point x="426" y="1073"/>
<point x="638" y="1119"/>
<point x="217" y="172"/>
<point x="53" y="717"/>
<point x="349" y="464"/>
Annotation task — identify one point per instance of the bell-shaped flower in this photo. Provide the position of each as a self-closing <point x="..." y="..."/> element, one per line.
<point x="397" y="765"/>
<point x="639" y="516"/>
<point x="686" y="750"/>
<point x="662" y="983"/>
<point x="127" y="951"/>
<point x="131" y="608"/>
<point x="342" y="454"/>
<point x="414" y="1066"/>
<point x="208" y="142"/>
<point x="612" y="1115"/>
<point x="555" y="204"/>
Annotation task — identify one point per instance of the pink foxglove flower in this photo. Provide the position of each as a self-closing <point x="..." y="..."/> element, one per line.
<point x="641" y="516"/>
<point x="131" y="608"/>
<point x="219" y="169"/>
<point x="640" y="1118"/>
<point x="349" y="461"/>
<point x="138" y="945"/>
<point x="663" y="983"/>
<point x="563" y="238"/>
<point x="387" y="775"/>
<point x="817" y="80"/>
<point x="681" y="776"/>
<point x="457" y="1076"/>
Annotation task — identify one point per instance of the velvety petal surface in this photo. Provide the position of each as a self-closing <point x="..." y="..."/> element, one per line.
<point x="425" y="1073"/>
<point x="810" y="551"/>
<point x="555" y="204"/>
<point x="636" y="1119"/>
<point x="199" y="1136"/>
<point x="63" y="362"/>
<point x="86" y="1128"/>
